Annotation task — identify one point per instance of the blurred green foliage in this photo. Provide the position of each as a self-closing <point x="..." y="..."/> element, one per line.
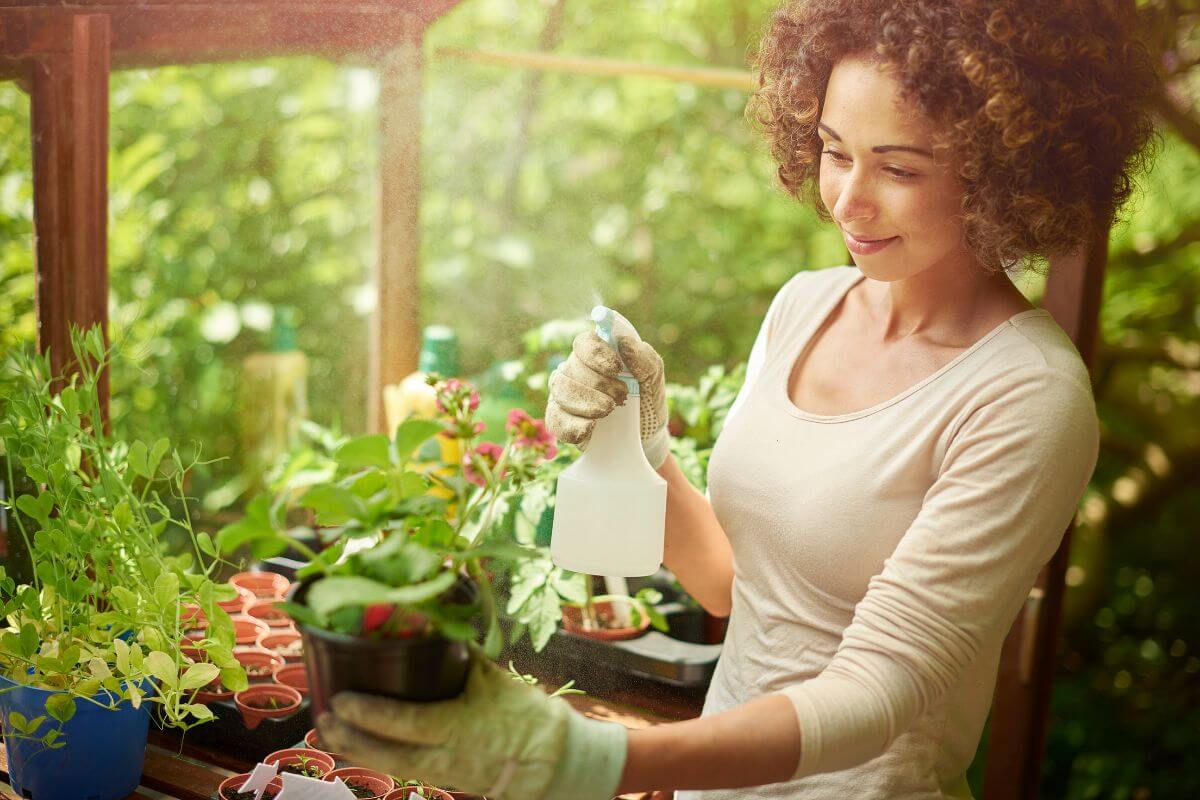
<point x="240" y="188"/>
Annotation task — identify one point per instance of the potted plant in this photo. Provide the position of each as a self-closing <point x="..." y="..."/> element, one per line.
<point x="364" y="783"/>
<point x="302" y="761"/>
<point x="390" y="607"/>
<point x="95" y="639"/>
<point x="409" y="789"/>
<point x="266" y="701"/>
<point x="614" y="617"/>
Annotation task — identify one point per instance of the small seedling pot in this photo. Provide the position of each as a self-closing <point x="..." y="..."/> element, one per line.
<point x="268" y="611"/>
<point x="374" y="781"/>
<point x="283" y="644"/>
<point x="247" y="702"/>
<point x="263" y="585"/>
<point x="428" y="792"/>
<point x="238" y="781"/>
<point x="417" y="669"/>
<point x="247" y="630"/>
<point x="192" y="616"/>
<point x="295" y="755"/>
<point x="293" y="675"/>
<point x="260" y="661"/>
<point x="235" y="606"/>
<point x="312" y="740"/>
<point x="209" y="694"/>
<point x="572" y="618"/>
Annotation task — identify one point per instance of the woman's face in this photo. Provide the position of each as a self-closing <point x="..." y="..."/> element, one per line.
<point x="879" y="180"/>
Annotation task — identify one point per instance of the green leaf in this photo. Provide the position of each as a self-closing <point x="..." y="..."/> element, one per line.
<point x="61" y="706"/>
<point x="545" y="621"/>
<point x="36" y="507"/>
<point x="29" y="640"/>
<point x="412" y="484"/>
<point x="156" y="453"/>
<point x="571" y="586"/>
<point x="331" y="594"/>
<point x="494" y="640"/>
<point x="198" y="675"/>
<point x="205" y="543"/>
<point x="73" y="456"/>
<point x="411" y="433"/>
<point x="137" y="458"/>
<point x="364" y="451"/>
<point x="333" y="504"/>
<point x="503" y="550"/>
<point x="17" y="721"/>
<point x="121" y="653"/>
<point x="199" y="711"/>
<point x="162" y="666"/>
<point x="234" y="678"/>
<point x="166" y="591"/>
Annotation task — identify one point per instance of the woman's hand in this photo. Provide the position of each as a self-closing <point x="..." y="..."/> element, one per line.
<point x="501" y="738"/>
<point x="586" y="388"/>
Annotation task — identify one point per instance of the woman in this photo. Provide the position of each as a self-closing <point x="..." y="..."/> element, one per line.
<point x="911" y="442"/>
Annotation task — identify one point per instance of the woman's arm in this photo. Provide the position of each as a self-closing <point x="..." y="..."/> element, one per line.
<point x="751" y="745"/>
<point x="696" y="548"/>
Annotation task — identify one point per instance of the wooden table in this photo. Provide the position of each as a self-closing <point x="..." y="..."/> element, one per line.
<point x="194" y="773"/>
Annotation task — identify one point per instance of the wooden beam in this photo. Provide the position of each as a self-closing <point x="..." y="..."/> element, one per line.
<point x="158" y="33"/>
<point x="1021" y="704"/>
<point x="395" y="326"/>
<point x="69" y="119"/>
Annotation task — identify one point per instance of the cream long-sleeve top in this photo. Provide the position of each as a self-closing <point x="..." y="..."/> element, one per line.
<point x="881" y="556"/>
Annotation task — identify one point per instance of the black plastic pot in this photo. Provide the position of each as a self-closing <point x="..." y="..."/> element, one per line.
<point x="419" y="669"/>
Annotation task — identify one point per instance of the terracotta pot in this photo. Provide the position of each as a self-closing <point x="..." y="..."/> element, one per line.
<point x="461" y="795"/>
<point x="263" y="585"/>
<point x="293" y="675"/>
<point x="191" y="616"/>
<point x="312" y="741"/>
<point x="375" y="781"/>
<point x="429" y="792"/>
<point x="294" y="755"/>
<point x="572" y="618"/>
<point x="266" y="611"/>
<point x="237" y="781"/>
<point x="212" y="692"/>
<point x="283" y="644"/>
<point x="235" y="606"/>
<point x="247" y="630"/>
<point x="287" y="697"/>
<point x="258" y="659"/>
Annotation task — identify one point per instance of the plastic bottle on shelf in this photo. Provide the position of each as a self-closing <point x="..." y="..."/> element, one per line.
<point x="274" y="398"/>
<point x="414" y="398"/>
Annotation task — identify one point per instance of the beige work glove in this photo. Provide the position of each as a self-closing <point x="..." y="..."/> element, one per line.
<point x="585" y="388"/>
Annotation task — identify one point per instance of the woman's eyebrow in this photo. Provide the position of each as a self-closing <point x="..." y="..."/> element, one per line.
<point x="883" y="148"/>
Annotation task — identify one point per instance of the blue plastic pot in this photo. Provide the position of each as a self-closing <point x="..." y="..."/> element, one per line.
<point x="102" y="757"/>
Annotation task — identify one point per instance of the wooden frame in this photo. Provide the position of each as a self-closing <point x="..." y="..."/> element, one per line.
<point x="62" y="54"/>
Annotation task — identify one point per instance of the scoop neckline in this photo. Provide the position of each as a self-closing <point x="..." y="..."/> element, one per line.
<point x="798" y="350"/>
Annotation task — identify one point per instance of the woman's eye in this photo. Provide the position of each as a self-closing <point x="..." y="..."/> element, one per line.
<point x="899" y="173"/>
<point x="836" y="156"/>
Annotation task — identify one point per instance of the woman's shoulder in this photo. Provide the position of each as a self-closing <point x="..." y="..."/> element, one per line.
<point x="1031" y="343"/>
<point x="808" y="290"/>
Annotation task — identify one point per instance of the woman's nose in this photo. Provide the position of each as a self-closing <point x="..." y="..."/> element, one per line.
<point x="854" y="201"/>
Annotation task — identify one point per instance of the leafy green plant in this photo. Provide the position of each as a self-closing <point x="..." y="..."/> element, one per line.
<point x="100" y="621"/>
<point x="410" y="534"/>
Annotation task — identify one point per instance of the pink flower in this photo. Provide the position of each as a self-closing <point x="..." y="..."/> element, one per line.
<point x="473" y="405"/>
<point x="531" y="433"/>
<point x="487" y="453"/>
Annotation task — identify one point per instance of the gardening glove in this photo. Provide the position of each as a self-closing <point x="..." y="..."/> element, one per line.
<point x="501" y="738"/>
<point x="585" y="388"/>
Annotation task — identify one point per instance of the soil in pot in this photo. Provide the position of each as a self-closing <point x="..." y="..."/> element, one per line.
<point x="301" y="761"/>
<point x="288" y="645"/>
<point x="266" y="611"/>
<point x="260" y="664"/>
<point x="606" y="618"/>
<point x="364" y="782"/>
<point x="228" y="789"/>
<point x="422" y="668"/>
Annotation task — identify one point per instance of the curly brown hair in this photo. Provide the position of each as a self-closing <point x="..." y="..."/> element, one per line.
<point x="1043" y="109"/>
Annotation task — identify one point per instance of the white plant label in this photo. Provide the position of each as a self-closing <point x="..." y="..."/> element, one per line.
<point x="259" y="778"/>
<point x="299" y="787"/>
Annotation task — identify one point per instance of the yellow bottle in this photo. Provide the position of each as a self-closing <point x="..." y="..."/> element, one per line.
<point x="414" y="398"/>
<point x="274" y="399"/>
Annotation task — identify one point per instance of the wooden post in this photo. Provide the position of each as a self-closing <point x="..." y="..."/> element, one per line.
<point x="1021" y="704"/>
<point x="395" y="328"/>
<point x="69" y="120"/>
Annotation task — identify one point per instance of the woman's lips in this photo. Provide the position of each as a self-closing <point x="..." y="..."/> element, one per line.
<point x="866" y="248"/>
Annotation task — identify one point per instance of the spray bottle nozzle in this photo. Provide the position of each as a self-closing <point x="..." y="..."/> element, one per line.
<point x="603" y="317"/>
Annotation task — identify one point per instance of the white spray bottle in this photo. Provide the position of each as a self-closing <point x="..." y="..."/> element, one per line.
<point x="611" y="506"/>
